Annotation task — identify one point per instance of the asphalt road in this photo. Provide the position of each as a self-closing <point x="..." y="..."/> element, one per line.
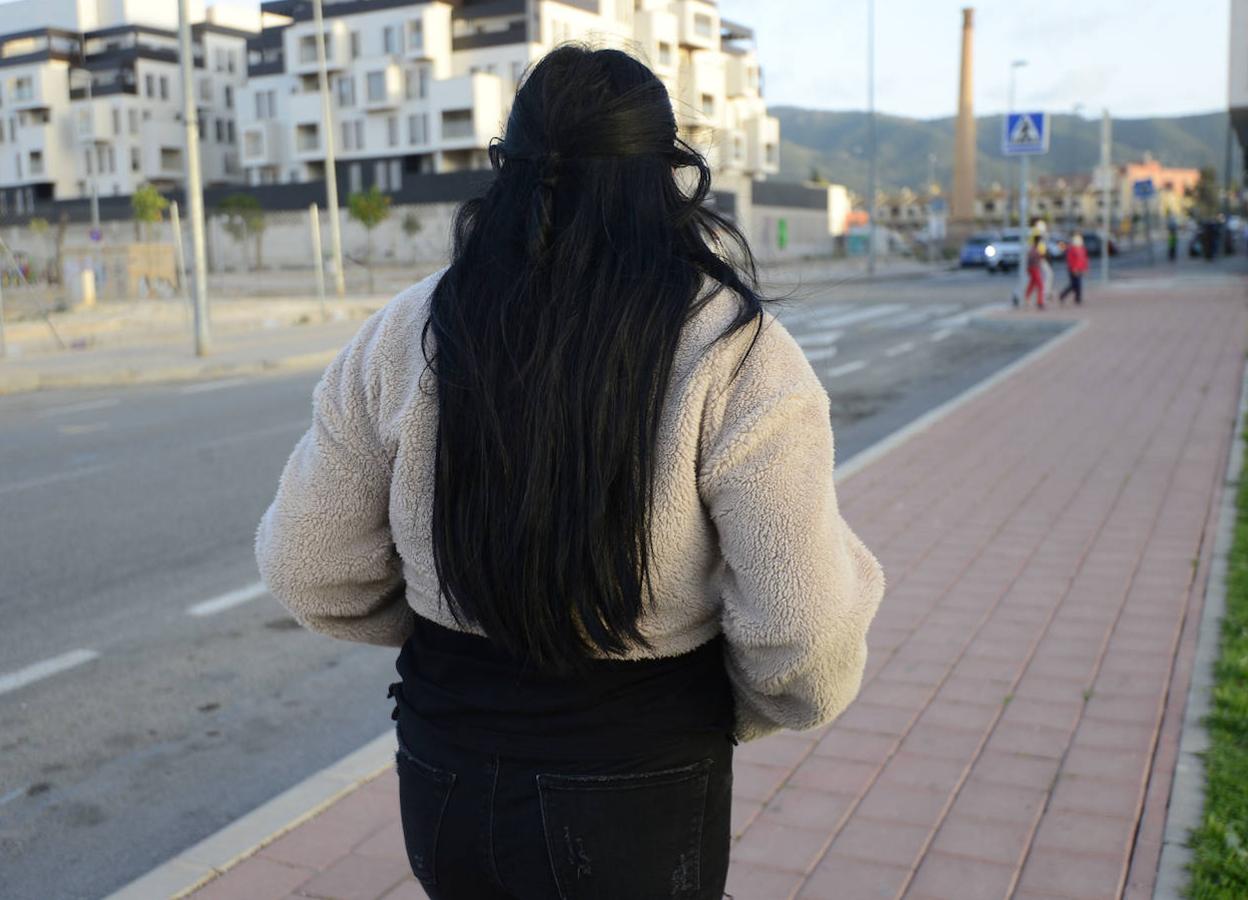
<point x="149" y="695"/>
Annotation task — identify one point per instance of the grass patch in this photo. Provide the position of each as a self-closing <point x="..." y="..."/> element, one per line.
<point x="1219" y="868"/>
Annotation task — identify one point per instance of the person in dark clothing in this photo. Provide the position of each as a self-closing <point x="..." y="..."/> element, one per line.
<point x="1076" y="267"/>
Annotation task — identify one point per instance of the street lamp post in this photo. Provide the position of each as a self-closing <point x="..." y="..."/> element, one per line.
<point x="194" y="188"/>
<point x="331" y="173"/>
<point x="1020" y="287"/>
<point x="871" y="210"/>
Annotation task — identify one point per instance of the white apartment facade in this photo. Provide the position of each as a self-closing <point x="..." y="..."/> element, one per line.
<point x="423" y="85"/>
<point x="91" y="97"/>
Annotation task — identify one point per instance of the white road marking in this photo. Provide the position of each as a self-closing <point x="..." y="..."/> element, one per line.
<point x="942" y="334"/>
<point x="821" y="353"/>
<point x="45" y="669"/>
<point x="49" y="479"/>
<point x="301" y="425"/>
<point x="228" y="601"/>
<point x="861" y="315"/>
<point x="854" y="366"/>
<point x="899" y="349"/>
<point x="819" y="338"/>
<point x="901" y="320"/>
<point x="12" y="795"/>
<point x="953" y="321"/>
<point x="207" y="386"/>
<point x="82" y="429"/>
<point x="102" y="403"/>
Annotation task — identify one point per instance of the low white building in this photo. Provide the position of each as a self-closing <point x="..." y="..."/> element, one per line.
<point x="91" y="97"/>
<point x="423" y="86"/>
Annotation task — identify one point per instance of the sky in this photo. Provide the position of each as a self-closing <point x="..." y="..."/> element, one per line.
<point x="1135" y="58"/>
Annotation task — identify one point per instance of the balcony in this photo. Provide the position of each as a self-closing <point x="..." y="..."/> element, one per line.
<point x="92" y="123"/>
<point x="428" y="36"/>
<point x="383" y="88"/>
<point x="762" y="154"/>
<point x="699" y="24"/>
<point x="468" y="110"/>
<point x="308" y="141"/>
<point x="262" y="143"/>
<point x="300" y="49"/>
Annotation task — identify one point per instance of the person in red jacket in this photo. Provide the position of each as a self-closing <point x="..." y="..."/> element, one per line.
<point x="1035" y="274"/>
<point x="1076" y="265"/>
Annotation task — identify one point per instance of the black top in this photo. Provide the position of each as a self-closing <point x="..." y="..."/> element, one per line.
<point x="467" y="690"/>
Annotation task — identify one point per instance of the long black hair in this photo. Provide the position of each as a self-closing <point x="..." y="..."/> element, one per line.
<point x="553" y="334"/>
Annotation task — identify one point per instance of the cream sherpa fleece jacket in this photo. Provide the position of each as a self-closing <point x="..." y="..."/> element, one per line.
<point x="747" y="538"/>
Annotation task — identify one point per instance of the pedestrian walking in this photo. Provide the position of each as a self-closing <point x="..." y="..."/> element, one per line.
<point x="1035" y="274"/>
<point x="584" y="480"/>
<point x="1076" y="268"/>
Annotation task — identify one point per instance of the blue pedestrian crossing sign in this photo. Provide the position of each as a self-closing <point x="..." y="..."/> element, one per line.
<point x="1025" y="133"/>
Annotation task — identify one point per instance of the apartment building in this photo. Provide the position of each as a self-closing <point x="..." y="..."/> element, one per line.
<point x="423" y="86"/>
<point x="91" y="97"/>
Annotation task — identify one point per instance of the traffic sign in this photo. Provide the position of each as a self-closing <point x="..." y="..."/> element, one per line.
<point x="1025" y="133"/>
<point x="1144" y="189"/>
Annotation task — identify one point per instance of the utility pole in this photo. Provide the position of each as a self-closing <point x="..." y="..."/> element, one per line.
<point x="318" y="260"/>
<point x="194" y="189"/>
<point x="871" y="210"/>
<point x="1106" y="178"/>
<point x="1020" y="286"/>
<point x="331" y="171"/>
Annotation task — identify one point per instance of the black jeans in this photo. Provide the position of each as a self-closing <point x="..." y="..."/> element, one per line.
<point x="487" y="826"/>
<point x="1075" y="287"/>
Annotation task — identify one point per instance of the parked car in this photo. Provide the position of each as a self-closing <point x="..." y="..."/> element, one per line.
<point x="972" y="254"/>
<point x="1092" y="243"/>
<point x="1055" y="246"/>
<point x="1004" y="253"/>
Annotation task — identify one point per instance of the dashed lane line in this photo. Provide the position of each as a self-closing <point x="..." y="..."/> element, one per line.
<point x="941" y="335"/>
<point x="228" y="601"/>
<point x="102" y="403"/>
<point x="820" y="354"/>
<point x="206" y="386"/>
<point x="899" y="349"/>
<point x="838" y="371"/>
<point x="45" y="669"/>
<point x="819" y="338"/>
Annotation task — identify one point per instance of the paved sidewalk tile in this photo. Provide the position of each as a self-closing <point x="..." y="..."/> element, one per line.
<point x="1039" y="543"/>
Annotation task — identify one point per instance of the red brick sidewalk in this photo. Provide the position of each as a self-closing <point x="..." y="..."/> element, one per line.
<point x="1016" y="732"/>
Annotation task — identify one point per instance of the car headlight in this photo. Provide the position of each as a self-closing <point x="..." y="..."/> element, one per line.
<point x="990" y="252"/>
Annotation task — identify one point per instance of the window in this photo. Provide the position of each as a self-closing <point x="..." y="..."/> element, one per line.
<point x="252" y="144"/>
<point x="23" y="89"/>
<point x="230" y="57"/>
<point x="345" y="87"/>
<point x="171" y="159"/>
<point x="390" y="36"/>
<point x="665" y="53"/>
<point x="149" y="83"/>
<point x="517" y="70"/>
<point x="307" y="48"/>
<point x="36" y="162"/>
<point x="355" y="45"/>
<point x="708" y="104"/>
<point x="392" y="131"/>
<point x="229" y="95"/>
<point x="770" y="154"/>
<point x="457" y="123"/>
<point x="136" y="159"/>
<point x="307" y="137"/>
<point x="164" y="87"/>
<point x="205" y="90"/>
<point x="418" y="129"/>
<point x="355" y="178"/>
<point x="396" y="175"/>
<point x="702" y="25"/>
<point x="381" y="175"/>
<point x="132" y="119"/>
<point x="116" y="121"/>
<point x="347" y="135"/>
<point x="416" y="35"/>
<point x="87" y="157"/>
<point x="229" y="131"/>
<point x="266" y="104"/>
<point x="359" y="135"/>
<point x="416" y="83"/>
<point x="376" y="87"/>
<point x="220" y="131"/>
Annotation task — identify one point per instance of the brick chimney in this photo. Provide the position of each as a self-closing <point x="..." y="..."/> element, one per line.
<point x="963" y="206"/>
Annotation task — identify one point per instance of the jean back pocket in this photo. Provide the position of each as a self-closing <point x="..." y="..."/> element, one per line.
<point x="423" y="795"/>
<point x="625" y="837"/>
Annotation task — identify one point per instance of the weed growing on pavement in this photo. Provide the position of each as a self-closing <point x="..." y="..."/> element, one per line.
<point x="1219" y="868"/>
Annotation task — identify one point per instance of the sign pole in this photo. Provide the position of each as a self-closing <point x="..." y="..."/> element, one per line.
<point x="1106" y="178"/>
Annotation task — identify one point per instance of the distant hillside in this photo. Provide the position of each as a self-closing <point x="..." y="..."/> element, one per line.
<point x="835" y="143"/>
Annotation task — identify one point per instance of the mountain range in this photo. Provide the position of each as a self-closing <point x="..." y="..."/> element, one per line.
<point x="834" y="145"/>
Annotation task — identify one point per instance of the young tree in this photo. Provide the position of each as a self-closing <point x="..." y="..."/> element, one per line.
<point x="370" y="208"/>
<point x="148" y="208"/>
<point x="411" y="226"/>
<point x="1205" y="197"/>
<point x="244" y="217"/>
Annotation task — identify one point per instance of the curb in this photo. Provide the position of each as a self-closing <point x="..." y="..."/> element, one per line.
<point x="1187" y="791"/>
<point x="25" y="382"/>
<point x="221" y="851"/>
<point x="218" y="852"/>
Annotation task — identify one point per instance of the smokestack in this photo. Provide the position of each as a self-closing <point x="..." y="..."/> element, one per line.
<point x="963" y="205"/>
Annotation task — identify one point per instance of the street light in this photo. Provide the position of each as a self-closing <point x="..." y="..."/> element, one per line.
<point x="1014" y="67"/>
<point x="871" y="211"/>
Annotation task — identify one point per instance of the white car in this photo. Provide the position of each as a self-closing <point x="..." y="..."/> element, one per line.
<point x="1004" y="253"/>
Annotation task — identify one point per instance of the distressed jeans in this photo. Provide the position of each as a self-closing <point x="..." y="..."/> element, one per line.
<point x="484" y="826"/>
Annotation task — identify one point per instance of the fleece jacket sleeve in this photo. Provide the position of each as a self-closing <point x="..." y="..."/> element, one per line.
<point x="324" y="547"/>
<point x="799" y="588"/>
